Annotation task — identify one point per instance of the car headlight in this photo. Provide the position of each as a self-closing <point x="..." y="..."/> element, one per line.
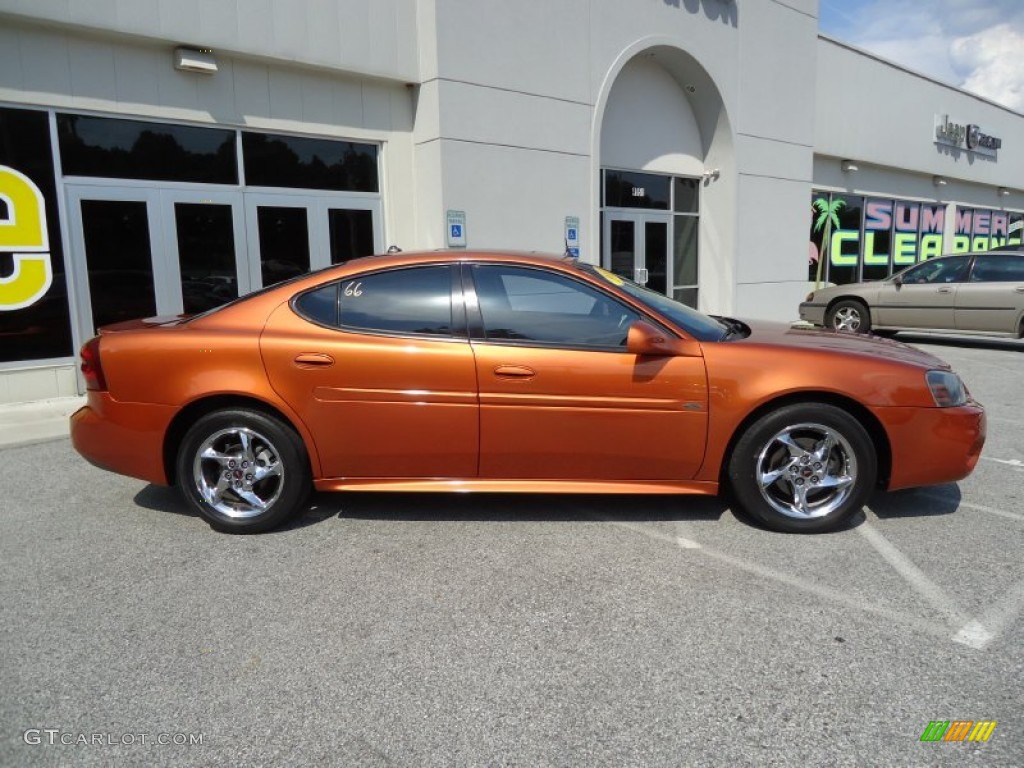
<point x="947" y="389"/>
<point x="810" y="296"/>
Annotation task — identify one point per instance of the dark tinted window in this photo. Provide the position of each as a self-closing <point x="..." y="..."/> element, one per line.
<point x="998" y="269"/>
<point x="132" y="149"/>
<point x="292" y="161"/>
<point x="206" y="255"/>
<point x="320" y="306"/>
<point x="522" y="304"/>
<point x="351" y="232"/>
<point x="415" y="300"/>
<point x="686" y="195"/>
<point x="627" y="189"/>
<point x="936" y="271"/>
<point x="119" y="258"/>
<point x="284" y="242"/>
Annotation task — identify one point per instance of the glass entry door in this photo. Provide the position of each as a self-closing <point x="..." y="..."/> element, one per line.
<point x="145" y="252"/>
<point x="289" y="234"/>
<point x="207" y="234"/>
<point x="636" y="246"/>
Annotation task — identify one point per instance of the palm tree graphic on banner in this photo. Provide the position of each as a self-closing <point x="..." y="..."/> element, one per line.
<point x="827" y="218"/>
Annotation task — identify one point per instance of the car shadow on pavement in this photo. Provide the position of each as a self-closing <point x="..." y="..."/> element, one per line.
<point x="917" y="502"/>
<point x="162" y="498"/>
<point x="968" y="342"/>
<point x="513" y="507"/>
<point x="523" y="507"/>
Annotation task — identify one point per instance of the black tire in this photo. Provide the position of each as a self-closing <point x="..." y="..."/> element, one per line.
<point x="766" y="474"/>
<point x="849" y="315"/>
<point x="255" y="473"/>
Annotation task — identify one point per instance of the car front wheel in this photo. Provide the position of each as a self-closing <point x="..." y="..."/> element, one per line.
<point x="849" y="316"/>
<point x="243" y="471"/>
<point x="803" y="468"/>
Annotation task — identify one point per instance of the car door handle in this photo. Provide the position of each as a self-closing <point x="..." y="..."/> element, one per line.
<point x="313" y="360"/>
<point x="1019" y="289"/>
<point x="514" y="372"/>
<point x="945" y="290"/>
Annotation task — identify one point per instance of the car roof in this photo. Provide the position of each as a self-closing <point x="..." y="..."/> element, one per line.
<point x="448" y="255"/>
<point x="250" y="303"/>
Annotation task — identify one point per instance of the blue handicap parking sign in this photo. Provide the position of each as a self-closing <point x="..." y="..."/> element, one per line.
<point x="571" y="234"/>
<point x="456" y="230"/>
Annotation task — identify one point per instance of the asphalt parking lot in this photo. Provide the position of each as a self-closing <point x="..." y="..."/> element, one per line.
<point x="419" y="630"/>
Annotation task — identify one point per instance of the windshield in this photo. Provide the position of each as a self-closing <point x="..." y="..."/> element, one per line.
<point x="698" y="325"/>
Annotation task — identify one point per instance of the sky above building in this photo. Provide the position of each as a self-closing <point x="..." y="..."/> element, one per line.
<point x="977" y="45"/>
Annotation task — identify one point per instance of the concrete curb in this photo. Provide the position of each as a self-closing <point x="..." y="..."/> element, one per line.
<point x="24" y="423"/>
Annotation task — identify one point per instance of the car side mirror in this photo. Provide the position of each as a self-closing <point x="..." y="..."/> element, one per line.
<point x="897" y="281"/>
<point x="645" y="339"/>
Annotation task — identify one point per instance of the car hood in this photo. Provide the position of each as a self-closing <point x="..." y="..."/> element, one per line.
<point x="789" y="336"/>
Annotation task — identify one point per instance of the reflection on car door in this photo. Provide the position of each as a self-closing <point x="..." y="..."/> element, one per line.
<point x="560" y="398"/>
<point x="992" y="299"/>
<point x="377" y="367"/>
<point x="924" y="297"/>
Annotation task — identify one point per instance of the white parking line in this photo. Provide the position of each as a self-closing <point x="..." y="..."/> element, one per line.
<point x="904" y="566"/>
<point x="975" y="633"/>
<point x="1002" y="613"/>
<point x="1016" y="463"/>
<point x="972" y="632"/>
<point x="814" y="588"/>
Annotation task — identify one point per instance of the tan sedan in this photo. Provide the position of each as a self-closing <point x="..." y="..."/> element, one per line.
<point x="968" y="292"/>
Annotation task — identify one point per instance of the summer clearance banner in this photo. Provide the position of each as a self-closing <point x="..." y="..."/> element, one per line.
<point x="871" y="238"/>
<point x="34" y="317"/>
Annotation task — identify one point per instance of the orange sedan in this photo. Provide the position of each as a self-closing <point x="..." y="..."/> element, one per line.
<point x="456" y="371"/>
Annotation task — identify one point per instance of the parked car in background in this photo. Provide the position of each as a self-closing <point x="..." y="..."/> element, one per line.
<point x="462" y="371"/>
<point x="967" y="292"/>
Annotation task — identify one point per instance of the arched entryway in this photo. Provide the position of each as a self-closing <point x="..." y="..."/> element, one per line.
<point x="664" y="144"/>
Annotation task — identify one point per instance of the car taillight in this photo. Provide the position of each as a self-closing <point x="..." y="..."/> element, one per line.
<point x="92" y="369"/>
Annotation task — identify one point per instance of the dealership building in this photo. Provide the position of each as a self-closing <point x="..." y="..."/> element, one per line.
<point x="164" y="156"/>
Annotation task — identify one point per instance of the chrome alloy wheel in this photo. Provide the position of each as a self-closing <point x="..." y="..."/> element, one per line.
<point x="847" y="319"/>
<point x="238" y="472"/>
<point x="806" y="471"/>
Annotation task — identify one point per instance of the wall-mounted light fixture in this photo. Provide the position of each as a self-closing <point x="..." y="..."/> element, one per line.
<point x="712" y="175"/>
<point x="199" y="60"/>
<point x="848" y="166"/>
<point x="1003" y="191"/>
<point x="939" y="181"/>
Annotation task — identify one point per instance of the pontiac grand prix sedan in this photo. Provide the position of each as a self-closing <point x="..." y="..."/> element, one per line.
<point x="460" y="371"/>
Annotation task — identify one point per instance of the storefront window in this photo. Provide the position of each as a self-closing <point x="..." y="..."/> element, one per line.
<point x="299" y="162"/>
<point x="870" y="238"/>
<point x="132" y="149"/>
<point x="979" y="229"/>
<point x="35" y="322"/>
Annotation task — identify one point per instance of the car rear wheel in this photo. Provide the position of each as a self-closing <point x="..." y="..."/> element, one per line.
<point x="803" y="468"/>
<point x="849" y="315"/>
<point x="243" y="471"/>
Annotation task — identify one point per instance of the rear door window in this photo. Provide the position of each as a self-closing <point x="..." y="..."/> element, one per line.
<point x="415" y="301"/>
<point x="998" y="269"/>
